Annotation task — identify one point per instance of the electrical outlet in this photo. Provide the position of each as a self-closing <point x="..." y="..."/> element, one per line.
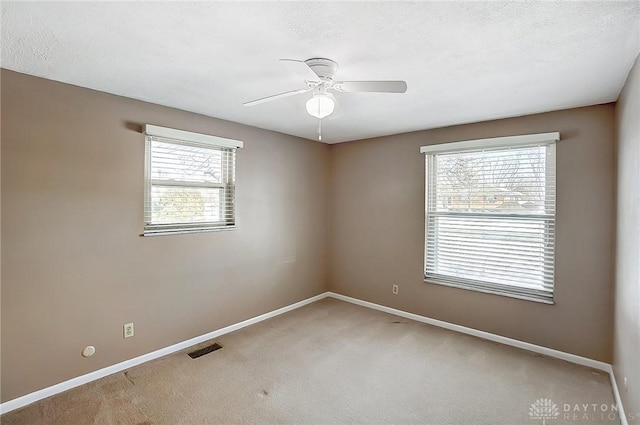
<point x="394" y="289"/>
<point x="127" y="330"/>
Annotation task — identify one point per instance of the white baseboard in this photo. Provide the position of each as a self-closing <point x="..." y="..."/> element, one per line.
<point x="480" y="334"/>
<point x="80" y="380"/>
<point x="127" y="364"/>
<point x="617" y="398"/>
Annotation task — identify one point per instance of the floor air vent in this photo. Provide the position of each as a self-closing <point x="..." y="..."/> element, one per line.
<point x="206" y="350"/>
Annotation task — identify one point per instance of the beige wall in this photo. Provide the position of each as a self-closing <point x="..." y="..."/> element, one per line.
<point x="627" y="302"/>
<point x="74" y="268"/>
<point x="377" y="232"/>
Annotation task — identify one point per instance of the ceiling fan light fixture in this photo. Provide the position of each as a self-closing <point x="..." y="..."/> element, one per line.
<point x="320" y="105"/>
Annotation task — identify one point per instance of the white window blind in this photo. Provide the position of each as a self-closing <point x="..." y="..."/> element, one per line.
<point x="490" y="215"/>
<point x="189" y="182"/>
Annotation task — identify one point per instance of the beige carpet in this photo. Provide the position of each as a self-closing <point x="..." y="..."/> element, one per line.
<point x="335" y="363"/>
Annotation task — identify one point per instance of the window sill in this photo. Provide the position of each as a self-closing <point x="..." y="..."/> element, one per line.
<point x="493" y="292"/>
<point x="148" y="233"/>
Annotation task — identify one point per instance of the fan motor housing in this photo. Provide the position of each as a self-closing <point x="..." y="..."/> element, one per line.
<point x="323" y="68"/>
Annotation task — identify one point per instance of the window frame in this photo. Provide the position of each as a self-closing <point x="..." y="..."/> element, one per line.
<point x="548" y="220"/>
<point x="227" y="149"/>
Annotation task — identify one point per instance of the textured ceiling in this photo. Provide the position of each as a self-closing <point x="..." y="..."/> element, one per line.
<point x="463" y="61"/>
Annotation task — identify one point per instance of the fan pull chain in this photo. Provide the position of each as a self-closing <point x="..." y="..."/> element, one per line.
<point x="320" y="129"/>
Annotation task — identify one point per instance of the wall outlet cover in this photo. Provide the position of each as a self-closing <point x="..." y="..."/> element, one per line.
<point x="127" y="330"/>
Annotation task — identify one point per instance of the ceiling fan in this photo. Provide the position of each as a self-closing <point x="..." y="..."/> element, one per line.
<point x="318" y="74"/>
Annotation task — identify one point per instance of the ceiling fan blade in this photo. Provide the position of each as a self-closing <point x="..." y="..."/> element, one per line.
<point x="301" y="69"/>
<point x="371" y="86"/>
<point x="276" y="96"/>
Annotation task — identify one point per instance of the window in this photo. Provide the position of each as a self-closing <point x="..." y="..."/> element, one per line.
<point x="490" y="215"/>
<point x="189" y="182"/>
